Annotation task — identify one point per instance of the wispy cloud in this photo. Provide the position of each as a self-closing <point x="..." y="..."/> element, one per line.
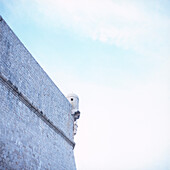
<point x="133" y="25"/>
<point x="142" y="26"/>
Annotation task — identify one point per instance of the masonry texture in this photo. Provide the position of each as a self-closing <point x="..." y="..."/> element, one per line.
<point x="36" y="125"/>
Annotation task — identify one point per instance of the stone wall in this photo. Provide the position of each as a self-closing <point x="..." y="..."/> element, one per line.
<point x="36" y="125"/>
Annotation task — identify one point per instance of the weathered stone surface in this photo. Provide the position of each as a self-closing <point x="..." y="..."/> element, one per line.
<point x="26" y="140"/>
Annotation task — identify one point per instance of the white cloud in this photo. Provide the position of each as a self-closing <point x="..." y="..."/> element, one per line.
<point x="128" y="24"/>
<point x="142" y="26"/>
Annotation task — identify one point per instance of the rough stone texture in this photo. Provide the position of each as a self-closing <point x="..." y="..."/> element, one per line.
<point x="26" y="141"/>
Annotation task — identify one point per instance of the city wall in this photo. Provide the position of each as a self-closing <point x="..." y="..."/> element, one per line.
<point x="36" y="125"/>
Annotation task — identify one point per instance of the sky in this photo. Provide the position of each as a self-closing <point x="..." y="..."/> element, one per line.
<point x="115" y="55"/>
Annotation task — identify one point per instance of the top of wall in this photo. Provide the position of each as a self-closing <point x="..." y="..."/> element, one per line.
<point x="19" y="67"/>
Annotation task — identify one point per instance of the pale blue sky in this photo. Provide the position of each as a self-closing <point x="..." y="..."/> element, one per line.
<point x="115" y="55"/>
